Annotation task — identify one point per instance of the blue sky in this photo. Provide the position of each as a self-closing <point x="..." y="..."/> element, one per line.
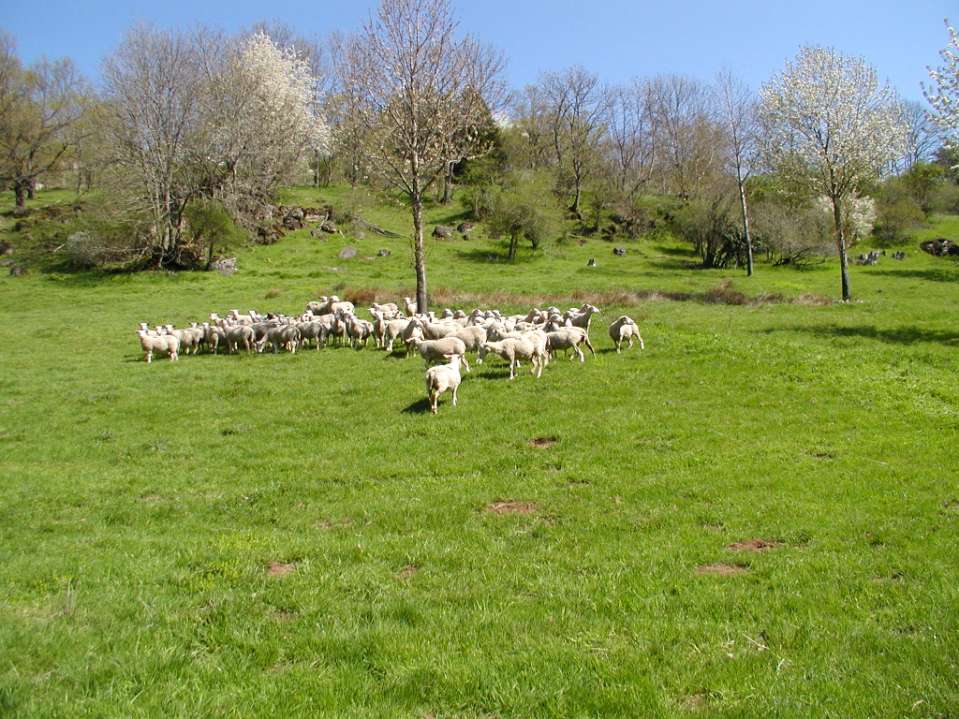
<point x="616" y="39"/>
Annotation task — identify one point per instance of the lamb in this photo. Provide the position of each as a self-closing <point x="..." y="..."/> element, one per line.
<point x="166" y="344"/>
<point x="411" y="308"/>
<point x="513" y="349"/>
<point x="441" y="378"/>
<point x="569" y="338"/>
<point x="431" y="350"/>
<point x="286" y="335"/>
<point x="359" y="331"/>
<point x="625" y="328"/>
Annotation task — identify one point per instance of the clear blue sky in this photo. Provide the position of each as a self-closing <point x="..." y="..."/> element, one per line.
<point x="617" y="39"/>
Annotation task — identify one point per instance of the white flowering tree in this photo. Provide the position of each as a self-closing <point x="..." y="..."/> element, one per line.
<point x="830" y="125"/>
<point x="944" y="97"/>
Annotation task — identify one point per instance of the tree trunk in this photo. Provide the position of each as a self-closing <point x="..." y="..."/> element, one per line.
<point x="31" y="188"/>
<point x="209" y="257"/>
<point x="749" y="241"/>
<point x="576" y="199"/>
<point x="20" y="191"/>
<point x="419" y="253"/>
<point x="841" y="245"/>
<point x="513" y="242"/>
<point x="448" y="184"/>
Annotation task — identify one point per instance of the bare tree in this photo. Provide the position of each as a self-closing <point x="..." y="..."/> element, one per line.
<point x="923" y="135"/>
<point x="38" y="107"/>
<point x="687" y="136"/>
<point x="631" y="132"/>
<point x="737" y="113"/>
<point x="423" y="93"/>
<point x="530" y="119"/>
<point x="578" y="106"/>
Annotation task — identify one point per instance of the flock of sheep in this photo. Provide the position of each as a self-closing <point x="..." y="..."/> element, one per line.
<point x="534" y="337"/>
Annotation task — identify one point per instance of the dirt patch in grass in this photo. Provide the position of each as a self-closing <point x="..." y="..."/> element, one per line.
<point x="753" y="545"/>
<point x="721" y="568"/>
<point x="511" y="506"/>
<point x="408" y="571"/>
<point x="543" y="442"/>
<point x="279" y="569"/>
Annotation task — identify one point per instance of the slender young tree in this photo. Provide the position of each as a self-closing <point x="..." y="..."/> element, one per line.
<point x="737" y="113"/>
<point x="831" y="126"/>
<point x="421" y="92"/>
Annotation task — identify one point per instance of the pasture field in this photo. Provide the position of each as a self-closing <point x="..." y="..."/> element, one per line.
<point x="757" y="516"/>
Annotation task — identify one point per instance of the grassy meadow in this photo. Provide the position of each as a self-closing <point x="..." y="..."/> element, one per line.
<point x="757" y="516"/>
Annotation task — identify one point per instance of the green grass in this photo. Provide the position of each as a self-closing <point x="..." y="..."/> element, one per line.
<point x="141" y="507"/>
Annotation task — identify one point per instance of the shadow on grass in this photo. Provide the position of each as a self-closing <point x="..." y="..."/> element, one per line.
<point x="935" y="275"/>
<point x="495" y="257"/>
<point x="420" y="406"/>
<point x="892" y="335"/>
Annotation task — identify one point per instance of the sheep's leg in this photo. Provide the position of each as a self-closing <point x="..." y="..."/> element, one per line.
<point x="589" y="344"/>
<point x="148" y="356"/>
<point x="512" y="368"/>
<point x="582" y="357"/>
<point x="455" y="387"/>
<point x="174" y="356"/>
<point x="642" y="345"/>
<point x="465" y="363"/>
<point x="434" y="398"/>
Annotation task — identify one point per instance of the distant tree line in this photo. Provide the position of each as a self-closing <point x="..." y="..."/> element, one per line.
<point x="821" y="156"/>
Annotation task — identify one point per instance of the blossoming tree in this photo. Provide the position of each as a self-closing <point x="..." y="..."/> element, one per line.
<point x="829" y="125"/>
<point x="945" y="97"/>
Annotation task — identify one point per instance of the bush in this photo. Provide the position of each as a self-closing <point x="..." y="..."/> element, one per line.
<point x="711" y="226"/>
<point x="792" y="235"/>
<point x="211" y="227"/>
<point x="522" y="208"/>
<point x="896" y="218"/>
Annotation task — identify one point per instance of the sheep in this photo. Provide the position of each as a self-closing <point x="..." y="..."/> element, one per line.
<point x="441" y="378"/>
<point x="187" y="337"/>
<point x="512" y="349"/>
<point x="392" y="330"/>
<point x="311" y="330"/>
<point x="432" y="350"/>
<point x="473" y="337"/>
<point x="389" y="310"/>
<point x="166" y="344"/>
<point x="439" y="330"/>
<point x="359" y="331"/>
<point x="625" y="328"/>
<point x="237" y="335"/>
<point x="569" y="338"/>
<point x="286" y="335"/>
<point x="582" y="316"/>
<point x="413" y="332"/>
<point x="411" y="307"/>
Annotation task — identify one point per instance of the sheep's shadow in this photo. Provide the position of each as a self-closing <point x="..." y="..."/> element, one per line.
<point x="395" y="355"/>
<point x="420" y="406"/>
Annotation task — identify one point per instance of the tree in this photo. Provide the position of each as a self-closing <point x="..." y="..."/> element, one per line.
<point x="631" y="132"/>
<point x="923" y="135"/>
<point x="829" y="125"/>
<point x="737" y="115"/>
<point x="523" y="208"/>
<point x="38" y="107"/>
<point x="421" y="93"/>
<point x="944" y="97"/>
<point x="578" y="106"/>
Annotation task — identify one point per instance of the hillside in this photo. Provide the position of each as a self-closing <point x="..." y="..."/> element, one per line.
<point x="756" y="516"/>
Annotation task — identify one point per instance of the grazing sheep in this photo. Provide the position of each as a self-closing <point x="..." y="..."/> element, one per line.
<point x="164" y="344"/>
<point x="441" y="378"/>
<point x="568" y="338"/>
<point x="625" y="329"/>
<point x="433" y="350"/>
<point x="513" y="349"/>
<point x="472" y="336"/>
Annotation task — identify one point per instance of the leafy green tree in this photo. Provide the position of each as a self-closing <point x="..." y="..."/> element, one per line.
<point x="211" y="225"/>
<point x="524" y="208"/>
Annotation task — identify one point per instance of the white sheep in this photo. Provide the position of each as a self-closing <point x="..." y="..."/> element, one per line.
<point x="164" y="344"/>
<point x="433" y="350"/>
<point x="568" y="338"/>
<point x="625" y="329"/>
<point x="441" y="378"/>
<point x="513" y="349"/>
